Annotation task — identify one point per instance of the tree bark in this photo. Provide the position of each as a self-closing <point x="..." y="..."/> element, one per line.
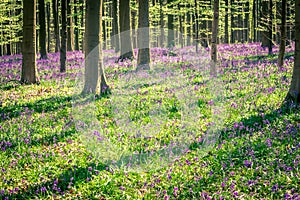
<point x="215" y="33"/>
<point x="56" y="25"/>
<point x="270" y="26"/>
<point x="162" y="23"/>
<point x="48" y="27"/>
<point x="282" y="34"/>
<point x="29" y="70"/>
<point x="115" y="26"/>
<point x="104" y="26"/>
<point x="143" y="36"/>
<point x="94" y="76"/>
<point x="294" y="92"/>
<point x="42" y="22"/>
<point x="226" y="23"/>
<point x="63" y="45"/>
<point x="125" y="30"/>
<point x="171" y="35"/>
<point x="70" y="31"/>
<point x="76" y="30"/>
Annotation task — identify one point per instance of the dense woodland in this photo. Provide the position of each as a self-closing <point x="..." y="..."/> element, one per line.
<point x="149" y="99"/>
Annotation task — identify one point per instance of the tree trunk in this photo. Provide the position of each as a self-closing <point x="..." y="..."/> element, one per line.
<point x="270" y="26"/>
<point x="226" y="23"/>
<point x="104" y="26"/>
<point x="29" y="70"/>
<point x="254" y="16"/>
<point x="76" y="30"/>
<point x="162" y="23"/>
<point x="215" y="28"/>
<point x="264" y="23"/>
<point x="48" y="27"/>
<point x="294" y="92"/>
<point x="133" y="29"/>
<point x="70" y="31"/>
<point x="232" y="22"/>
<point x="188" y="28"/>
<point x="94" y="76"/>
<point x="282" y="35"/>
<point x="63" y="45"/>
<point x="42" y="22"/>
<point x="115" y="26"/>
<point x="171" y="34"/>
<point x="56" y="25"/>
<point x="143" y="36"/>
<point x="125" y="30"/>
<point x="246" y="23"/>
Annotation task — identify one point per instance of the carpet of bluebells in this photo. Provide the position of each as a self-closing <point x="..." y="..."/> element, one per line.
<point x="256" y="156"/>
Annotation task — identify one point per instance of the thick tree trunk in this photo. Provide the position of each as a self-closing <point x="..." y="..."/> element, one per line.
<point x="294" y="92"/>
<point x="115" y="26"/>
<point x="282" y="35"/>
<point x="76" y="30"/>
<point x="70" y="31"/>
<point x="56" y="25"/>
<point x="143" y="36"/>
<point x="125" y="30"/>
<point x="63" y="45"/>
<point x="42" y="22"/>
<point x="94" y="76"/>
<point x="29" y="70"/>
<point x="264" y="23"/>
<point x="171" y="34"/>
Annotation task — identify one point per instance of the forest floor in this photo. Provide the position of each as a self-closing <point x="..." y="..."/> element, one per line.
<point x="257" y="149"/>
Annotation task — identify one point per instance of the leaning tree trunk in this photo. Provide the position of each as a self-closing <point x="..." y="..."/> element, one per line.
<point x="63" y="46"/>
<point x="143" y="36"/>
<point x="125" y="32"/>
<point x="283" y="34"/>
<point x="70" y="31"/>
<point x="294" y="92"/>
<point x="215" y="36"/>
<point x="95" y="81"/>
<point x="42" y="22"/>
<point x="56" y="25"/>
<point x="29" y="70"/>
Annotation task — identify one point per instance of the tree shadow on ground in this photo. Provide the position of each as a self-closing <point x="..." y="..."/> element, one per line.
<point x="39" y="106"/>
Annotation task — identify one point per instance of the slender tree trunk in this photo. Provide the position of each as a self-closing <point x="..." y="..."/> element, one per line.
<point x="143" y="36"/>
<point x="56" y="25"/>
<point x="283" y="34"/>
<point x="63" y="46"/>
<point x="188" y="28"/>
<point x="48" y="27"/>
<point x="95" y="81"/>
<point x="76" y="30"/>
<point x="254" y="16"/>
<point x="246" y="23"/>
<point x="115" y="26"/>
<point x="215" y="28"/>
<point x="226" y="22"/>
<point x="270" y="26"/>
<point x="171" y="34"/>
<point x="232" y="22"/>
<point x="125" y="30"/>
<point x="104" y="26"/>
<point x="294" y="92"/>
<point x="29" y="70"/>
<point x="215" y="32"/>
<point x="162" y="23"/>
<point x="42" y="22"/>
<point x="264" y="23"/>
<point x="70" y="31"/>
<point x="196" y="25"/>
<point x="133" y="27"/>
